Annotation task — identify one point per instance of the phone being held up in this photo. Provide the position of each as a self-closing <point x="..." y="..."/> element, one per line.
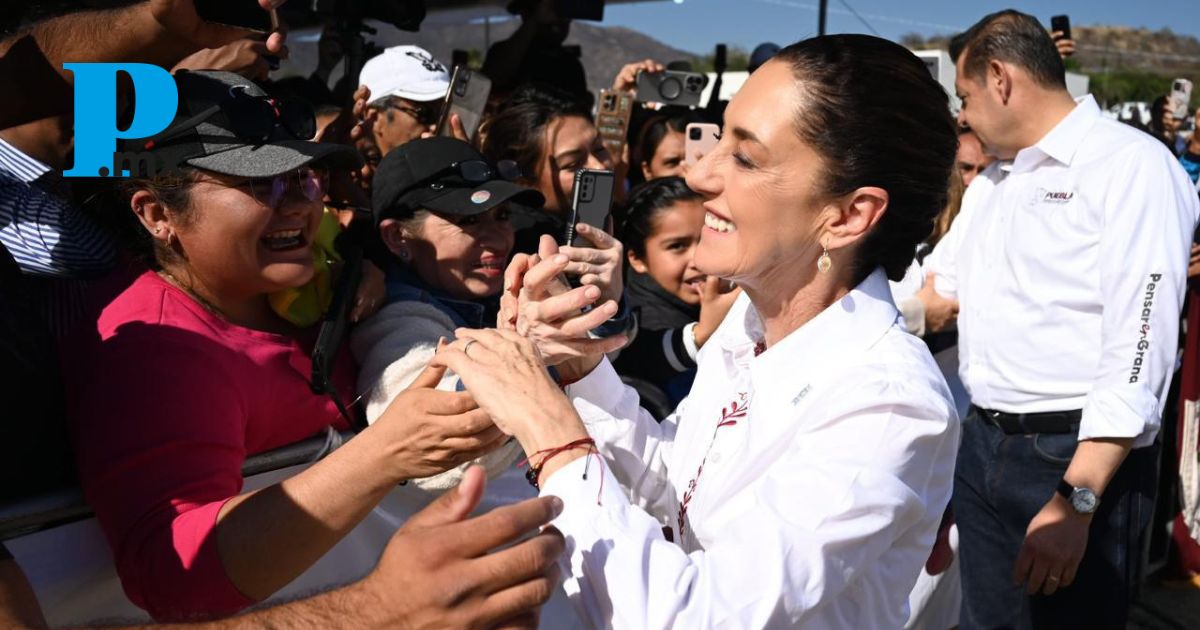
<point x="245" y="14"/>
<point x="467" y="97"/>
<point x="1181" y="96"/>
<point x="1062" y="24"/>
<point x="591" y="204"/>
<point x="700" y="140"/>
<point x="612" y="119"/>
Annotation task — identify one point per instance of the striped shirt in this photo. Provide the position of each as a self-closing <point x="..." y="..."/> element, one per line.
<point x="45" y="234"/>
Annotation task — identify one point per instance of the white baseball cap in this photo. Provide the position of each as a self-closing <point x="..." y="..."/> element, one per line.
<point x="406" y="71"/>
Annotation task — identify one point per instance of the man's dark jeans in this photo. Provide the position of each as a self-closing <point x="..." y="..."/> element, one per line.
<point x="1001" y="483"/>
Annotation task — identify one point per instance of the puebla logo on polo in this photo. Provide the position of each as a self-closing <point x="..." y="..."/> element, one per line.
<point x="1054" y="196"/>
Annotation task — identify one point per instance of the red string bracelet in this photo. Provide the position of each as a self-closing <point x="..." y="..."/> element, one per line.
<point x="535" y="471"/>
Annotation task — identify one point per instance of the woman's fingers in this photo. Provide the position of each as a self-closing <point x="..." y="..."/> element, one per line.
<point x="475" y="349"/>
<point x="560" y="351"/>
<point x="547" y="246"/>
<point x="476" y="444"/>
<point x="537" y="280"/>
<point x="514" y="273"/>
<point x="559" y="307"/>
<point x="457" y="129"/>
<point x="581" y="325"/>
<point x="506" y="319"/>
<point x="429" y="377"/>
<point x="597" y="237"/>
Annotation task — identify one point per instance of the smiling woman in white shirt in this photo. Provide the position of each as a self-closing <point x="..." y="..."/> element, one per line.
<point x="803" y="479"/>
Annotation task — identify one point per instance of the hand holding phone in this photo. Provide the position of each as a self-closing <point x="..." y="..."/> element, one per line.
<point x="215" y="23"/>
<point x="671" y="87"/>
<point x="612" y="119"/>
<point x="467" y="97"/>
<point x="1181" y="96"/>
<point x="245" y="14"/>
<point x="1061" y="24"/>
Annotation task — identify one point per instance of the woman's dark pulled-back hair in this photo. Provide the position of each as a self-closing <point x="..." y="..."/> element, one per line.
<point x="1016" y="38"/>
<point x="518" y="127"/>
<point x="871" y="109"/>
<point x="646" y="202"/>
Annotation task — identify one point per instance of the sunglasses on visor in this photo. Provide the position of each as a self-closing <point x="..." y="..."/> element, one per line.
<point x="251" y="118"/>
<point x="478" y="171"/>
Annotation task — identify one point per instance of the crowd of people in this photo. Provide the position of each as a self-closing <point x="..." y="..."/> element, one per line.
<point x="859" y="365"/>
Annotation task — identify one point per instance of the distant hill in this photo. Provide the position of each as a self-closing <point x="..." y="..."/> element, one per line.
<point x="1110" y="48"/>
<point x="1123" y="63"/>
<point x="605" y="49"/>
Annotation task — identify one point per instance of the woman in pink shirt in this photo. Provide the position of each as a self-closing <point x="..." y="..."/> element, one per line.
<point x="189" y="371"/>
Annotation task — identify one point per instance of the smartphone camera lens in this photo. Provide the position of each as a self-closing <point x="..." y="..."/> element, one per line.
<point x="695" y="133"/>
<point x="670" y="88"/>
<point x="585" y="188"/>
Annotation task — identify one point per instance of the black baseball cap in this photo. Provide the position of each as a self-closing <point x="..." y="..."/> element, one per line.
<point x="227" y="124"/>
<point x="432" y="174"/>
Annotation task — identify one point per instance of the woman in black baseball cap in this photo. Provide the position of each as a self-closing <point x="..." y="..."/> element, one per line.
<point x="189" y="370"/>
<point x="443" y="213"/>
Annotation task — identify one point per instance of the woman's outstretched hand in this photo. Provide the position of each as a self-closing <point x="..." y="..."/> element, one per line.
<point x="429" y="431"/>
<point x="505" y="374"/>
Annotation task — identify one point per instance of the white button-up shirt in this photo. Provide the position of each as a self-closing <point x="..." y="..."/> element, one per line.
<point x="1070" y="265"/>
<point x="803" y="485"/>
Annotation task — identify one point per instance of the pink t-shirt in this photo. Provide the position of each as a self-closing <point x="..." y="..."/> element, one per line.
<point x="166" y="401"/>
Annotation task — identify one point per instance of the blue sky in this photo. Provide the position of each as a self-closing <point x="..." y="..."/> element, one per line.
<point x="695" y="25"/>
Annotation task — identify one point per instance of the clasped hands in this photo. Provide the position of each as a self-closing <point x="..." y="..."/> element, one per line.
<point x="542" y="321"/>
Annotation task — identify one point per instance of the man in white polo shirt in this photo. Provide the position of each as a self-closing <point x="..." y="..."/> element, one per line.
<point x="1069" y="261"/>
<point x="407" y="89"/>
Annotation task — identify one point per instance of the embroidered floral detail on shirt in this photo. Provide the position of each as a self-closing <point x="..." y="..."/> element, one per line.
<point x="730" y="415"/>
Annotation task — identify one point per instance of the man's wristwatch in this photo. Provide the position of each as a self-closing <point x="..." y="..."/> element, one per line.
<point x="1082" y="500"/>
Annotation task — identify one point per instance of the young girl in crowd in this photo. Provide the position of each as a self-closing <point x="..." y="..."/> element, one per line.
<point x="678" y="306"/>
<point x="658" y="149"/>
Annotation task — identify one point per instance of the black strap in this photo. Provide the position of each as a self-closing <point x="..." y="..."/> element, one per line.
<point x="333" y="330"/>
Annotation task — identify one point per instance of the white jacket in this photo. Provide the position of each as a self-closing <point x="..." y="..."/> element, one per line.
<point x="814" y="477"/>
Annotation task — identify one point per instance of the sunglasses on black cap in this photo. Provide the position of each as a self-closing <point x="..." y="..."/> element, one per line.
<point x="252" y="118"/>
<point x="478" y="171"/>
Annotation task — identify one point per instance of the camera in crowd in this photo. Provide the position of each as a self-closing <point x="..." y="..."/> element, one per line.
<point x="671" y="87"/>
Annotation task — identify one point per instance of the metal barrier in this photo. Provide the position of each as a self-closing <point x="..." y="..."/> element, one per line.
<point x="61" y="507"/>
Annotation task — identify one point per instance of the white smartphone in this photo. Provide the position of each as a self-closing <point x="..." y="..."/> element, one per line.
<point x="1181" y="96"/>
<point x="699" y="140"/>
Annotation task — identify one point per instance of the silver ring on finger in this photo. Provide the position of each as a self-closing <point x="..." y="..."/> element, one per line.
<point x="467" y="348"/>
<point x="1052" y="580"/>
